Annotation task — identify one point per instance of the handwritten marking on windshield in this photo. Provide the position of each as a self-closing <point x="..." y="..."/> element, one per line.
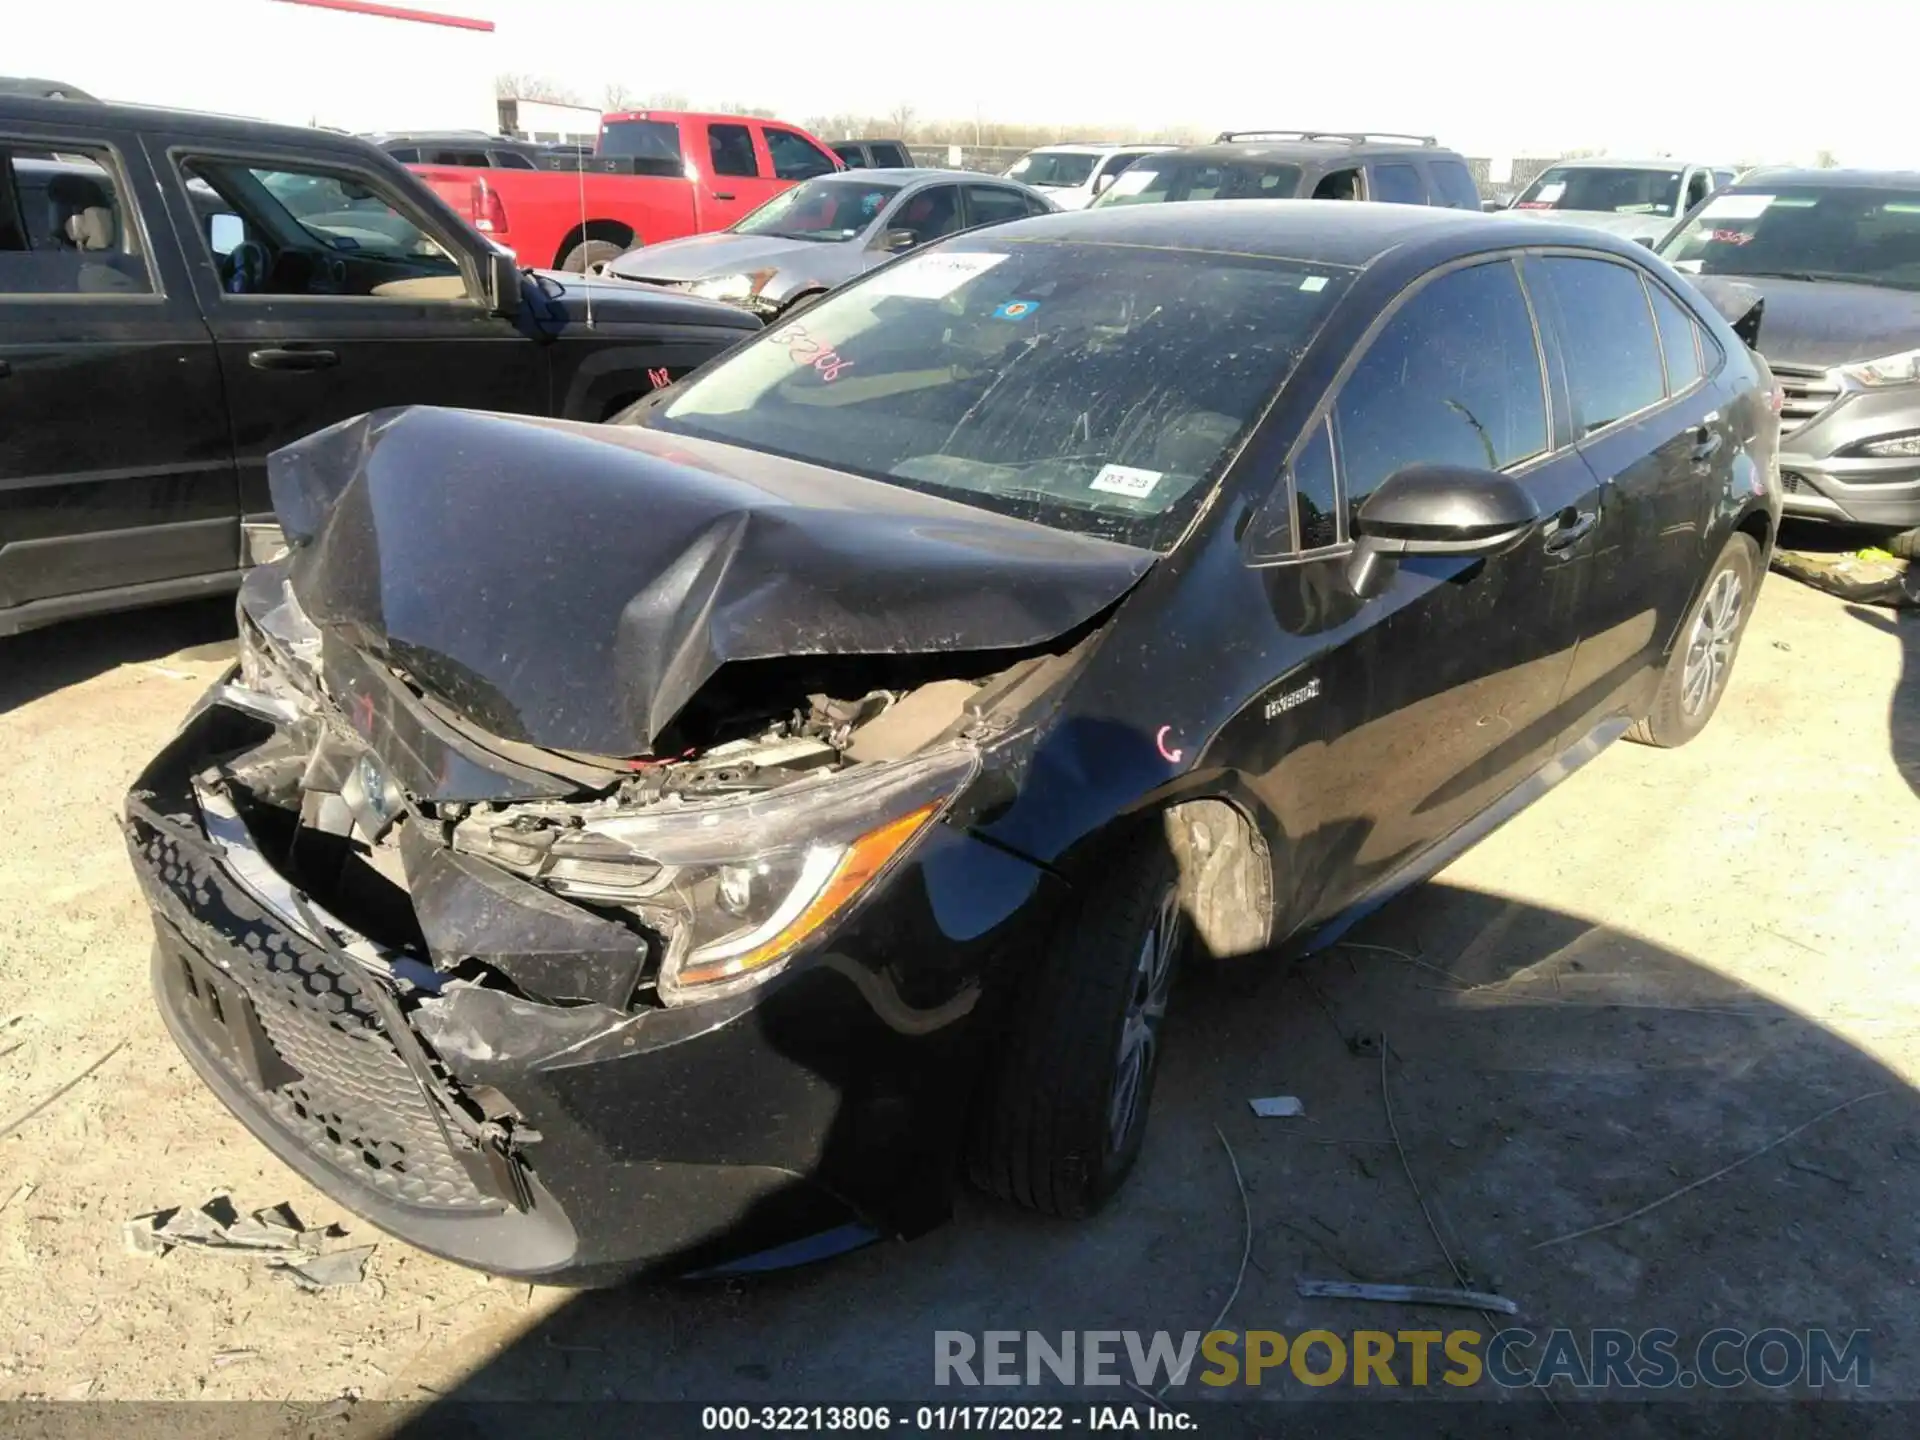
<point x="1170" y="754"/>
<point x="803" y="349"/>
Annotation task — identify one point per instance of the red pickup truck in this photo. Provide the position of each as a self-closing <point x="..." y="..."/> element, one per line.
<point x="655" y="175"/>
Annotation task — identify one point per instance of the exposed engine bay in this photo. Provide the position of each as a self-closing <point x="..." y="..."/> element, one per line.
<point x="628" y="881"/>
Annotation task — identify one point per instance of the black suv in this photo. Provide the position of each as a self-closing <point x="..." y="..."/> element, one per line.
<point x="1836" y="256"/>
<point x="1301" y="165"/>
<point x="181" y="294"/>
<point x="473" y="148"/>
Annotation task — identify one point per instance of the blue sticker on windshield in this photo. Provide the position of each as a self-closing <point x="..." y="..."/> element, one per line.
<point x="1015" y="309"/>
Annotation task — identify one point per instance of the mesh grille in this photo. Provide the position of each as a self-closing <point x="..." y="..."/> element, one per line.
<point x="356" y="1103"/>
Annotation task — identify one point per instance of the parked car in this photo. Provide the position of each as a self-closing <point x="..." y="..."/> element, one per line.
<point x="1835" y="254"/>
<point x="873" y="154"/>
<point x="1639" y="199"/>
<point x="805" y="241"/>
<point x="872" y="721"/>
<point x="1073" y="176"/>
<point x="656" y="175"/>
<point x="190" y="293"/>
<point x="1302" y="164"/>
<point x="41" y="89"/>
<point x="474" y="148"/>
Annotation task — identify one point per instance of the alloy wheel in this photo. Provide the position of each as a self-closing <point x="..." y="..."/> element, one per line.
<point x="1710" y="642"/>
<point x="1146" y="1008"/>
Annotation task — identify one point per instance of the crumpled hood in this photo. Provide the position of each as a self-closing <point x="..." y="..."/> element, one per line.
<point x="1818" y="324"/>
<point x="573" y="586"/>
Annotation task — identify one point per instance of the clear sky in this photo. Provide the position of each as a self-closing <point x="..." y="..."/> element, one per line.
<point x="1712" y="79"/>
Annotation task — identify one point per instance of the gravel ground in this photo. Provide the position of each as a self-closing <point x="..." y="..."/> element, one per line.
<point x="1668" y="964"/>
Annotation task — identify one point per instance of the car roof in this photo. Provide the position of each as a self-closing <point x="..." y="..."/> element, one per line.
<point x="1097" y="147"/>
<point x="1811" y="178"/>
<point x="1331" y="232"/>
<point x="1295" y="152"/>
<point x="906" y="175"/>
<point x="154" y="117"/>
<point x="472" y="137"/>
<point x="1609" y="162"/>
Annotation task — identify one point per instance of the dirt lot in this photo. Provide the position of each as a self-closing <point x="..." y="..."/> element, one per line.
<point x="1671" y="962"/>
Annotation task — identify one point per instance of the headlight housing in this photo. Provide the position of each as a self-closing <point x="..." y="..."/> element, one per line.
<point x="736" y="886"/>
<point x="731" y="287"/>
<point x="1901" y="369"/>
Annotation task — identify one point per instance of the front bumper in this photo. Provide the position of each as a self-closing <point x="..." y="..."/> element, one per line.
<point x="816" y="1111"/>
<point x="1823" y="475"/>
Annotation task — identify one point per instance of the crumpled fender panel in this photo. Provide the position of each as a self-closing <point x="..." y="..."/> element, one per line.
<point x="573" y="586"/>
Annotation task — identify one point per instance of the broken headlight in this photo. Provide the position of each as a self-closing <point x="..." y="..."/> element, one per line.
<point x="734" y="887"/>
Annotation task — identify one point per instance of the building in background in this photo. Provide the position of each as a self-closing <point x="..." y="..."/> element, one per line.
<point x="348" y="64"/>
<point x="550" y="122"/>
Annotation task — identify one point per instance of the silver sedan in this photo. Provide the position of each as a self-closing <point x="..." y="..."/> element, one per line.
<point x="824" y="232"/>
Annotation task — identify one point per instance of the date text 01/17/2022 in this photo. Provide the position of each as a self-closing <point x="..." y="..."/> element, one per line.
<point x="940" y="1419"/>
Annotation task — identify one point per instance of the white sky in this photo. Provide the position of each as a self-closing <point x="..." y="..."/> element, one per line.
<point x="1722" y="80"/>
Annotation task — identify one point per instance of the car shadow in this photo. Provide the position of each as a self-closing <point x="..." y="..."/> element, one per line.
<point x="42" y="661"/>
<point x="1534" y="1072"/>
<point x="1903" y="715"/>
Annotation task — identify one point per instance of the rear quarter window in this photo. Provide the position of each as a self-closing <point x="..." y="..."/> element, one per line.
<point x="1454" y="184"/>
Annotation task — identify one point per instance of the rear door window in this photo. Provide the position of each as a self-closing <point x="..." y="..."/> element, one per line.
<point x="991" y="204"/>
<point x="731" y="147"/>
<point x="794" y="156"/>
<point x="65" y="227"/>
<point x="1607" y="334"/>
<point x="475" y="159"/>
<point x="1679" y="340"/>
<point x="406" y="155"/>
<point x="851" y="155"/>
<point x="892" y="156"/>
<point x="1399" y="185"/>
<point x="1454" y="182"/>
<point x="1454" y="378"/>
<point x="510" y="160"/>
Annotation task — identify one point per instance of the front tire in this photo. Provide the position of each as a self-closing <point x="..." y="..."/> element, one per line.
<point x="1065" y="1109"/>
<point x="1702" y="661"/>
<point x="591" y="252"/>
<point x="1905" y="545"/>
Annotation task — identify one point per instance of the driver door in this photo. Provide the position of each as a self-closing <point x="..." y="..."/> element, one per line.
<point x="330" y="293"/>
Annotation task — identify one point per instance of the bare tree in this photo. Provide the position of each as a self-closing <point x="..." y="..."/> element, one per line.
<point x="900" y="121"/>
<point x="667" y="100"/>
<point x="514" y="86"/>
<point x="1826" y="160"/>
<point x="618" y="97"/>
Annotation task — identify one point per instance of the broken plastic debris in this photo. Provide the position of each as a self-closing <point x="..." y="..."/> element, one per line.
<point x="327" y="1272"/>
<point x="1405" y="1295"/>
<point x="216" y="1225"/>
<point x="1276" y="1107"/>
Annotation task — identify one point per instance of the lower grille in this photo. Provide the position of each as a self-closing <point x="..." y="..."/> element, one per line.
<point x="1808" y="394"/>
<point x="351" y="1097"/>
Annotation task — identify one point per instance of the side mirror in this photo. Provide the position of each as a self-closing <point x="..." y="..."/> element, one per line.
<point x="1437" y="510"/>
<point x="1646" y="240"/>
<point x="898" y="240"/>
<point x="503" y="283"/>
<point x="1105" y="182"/>
<point x="1491" y="205"/>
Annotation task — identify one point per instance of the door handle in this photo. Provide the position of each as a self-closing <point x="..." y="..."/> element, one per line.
<point x="1707" y="443"/>
<point x="292" y="359"/>
<point x="1570" y="528"/>
<point x="723" y="195"/>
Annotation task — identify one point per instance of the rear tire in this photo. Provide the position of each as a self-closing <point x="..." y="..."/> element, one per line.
<point x="591" y="252"/>
<point x="1065" y="1108"/>
<point x="1702" y="661"/>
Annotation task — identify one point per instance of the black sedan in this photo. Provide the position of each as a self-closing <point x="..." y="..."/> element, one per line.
<point x="814" y="793"/>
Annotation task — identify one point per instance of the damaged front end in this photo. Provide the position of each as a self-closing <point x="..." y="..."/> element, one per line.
<point x="431" y="967"/>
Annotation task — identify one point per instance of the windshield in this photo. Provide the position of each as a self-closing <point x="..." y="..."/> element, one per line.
<point x="1619" y="191"/>
<point x="1865" y="234"/>
<point x="1154" y="179"/>
<point x="1061" y="168"/>
<point x="836" y="209"/>
<point x="1095" y="388"/>
<point x="652" y="139"/>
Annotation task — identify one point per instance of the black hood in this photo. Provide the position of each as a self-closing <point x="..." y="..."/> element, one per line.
<point x="563" y="302"/>
<point x="1817" y="324"/>
<point x="573" y="586"/>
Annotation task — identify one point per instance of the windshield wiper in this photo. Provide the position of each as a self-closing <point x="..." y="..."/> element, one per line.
<point x="1781" y="274"/>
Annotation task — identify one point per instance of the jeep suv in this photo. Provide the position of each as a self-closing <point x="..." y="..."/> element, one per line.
<point x="1302" y="165"/>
